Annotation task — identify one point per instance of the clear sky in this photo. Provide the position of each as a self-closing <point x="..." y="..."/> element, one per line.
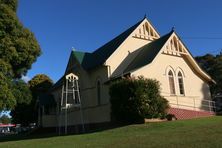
<point x="86" y="25"/>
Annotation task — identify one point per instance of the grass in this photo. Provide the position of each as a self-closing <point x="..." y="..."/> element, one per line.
<point x="195" y="133"/>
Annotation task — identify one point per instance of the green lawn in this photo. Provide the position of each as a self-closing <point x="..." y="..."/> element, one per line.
<point x="196" y="133"/>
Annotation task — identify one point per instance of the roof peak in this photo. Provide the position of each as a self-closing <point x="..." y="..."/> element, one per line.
<point x="173" y="29"/>
<point x="73" y="49"/>
<point x="144" y="16"/>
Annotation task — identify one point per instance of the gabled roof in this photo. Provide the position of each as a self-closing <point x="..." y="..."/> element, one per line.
<point x="189" y="57"/>
<point x="91" y="60"/>
<point x="99" y="56"/>
<point x="150" y="51"/>
<point x="137" y="59"/>
<point x="147" y="53"/>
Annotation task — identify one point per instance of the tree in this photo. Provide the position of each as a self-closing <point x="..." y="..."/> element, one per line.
<point x="22" y="92"/>
<point x="7" y="98"/>
<point x="40" y="83"/>
<point x="213" y="66"/>
<point x="25" y="112"/>
<point x="4" y="119"/>
<point x="23" y="97"/>
<point x="18" y="50"/>
<point x="132" y="100"/>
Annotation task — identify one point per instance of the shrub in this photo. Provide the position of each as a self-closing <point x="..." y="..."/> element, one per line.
<point x="171" y="117"/>
<point x="132" y="100"/>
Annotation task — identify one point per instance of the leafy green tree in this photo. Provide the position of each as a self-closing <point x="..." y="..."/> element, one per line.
<point x="22" y="92"/>
<point x="132" y="100"/>
<point x="40" y="84"/>
<point x="26" y="112"/>
<point x="23" y="97"/>
<point x="5" y="119"/>
<point x="7" y="98"/>
<point x="18" y="50"/>
<point x="212" y="64"/>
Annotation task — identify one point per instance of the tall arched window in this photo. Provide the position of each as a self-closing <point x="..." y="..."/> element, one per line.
<point x="180" y="82"/>
<point x="98" y="92"/>
<point x="171" y="83"/>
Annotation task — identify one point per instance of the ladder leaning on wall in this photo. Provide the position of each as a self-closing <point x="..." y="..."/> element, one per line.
<point x="70" y="98"/>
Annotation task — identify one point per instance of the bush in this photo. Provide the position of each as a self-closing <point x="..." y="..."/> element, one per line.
<point x="132" y="100"/>
<point x="171" y="117"/>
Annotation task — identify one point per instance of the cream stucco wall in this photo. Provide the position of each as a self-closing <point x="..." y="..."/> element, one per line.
<point x="195" y="88"/>
<point x="93" y="111"/>
<point x="130" y="45"/>
<point x="49" y="120"/>
<point x="99" y="74"/>
<point x="97" y="114"/>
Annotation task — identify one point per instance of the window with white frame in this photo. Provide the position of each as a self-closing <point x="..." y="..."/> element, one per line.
<point x="180" y="83"/>
<point x="99" y="92"/>
<point x="171" y="83"/>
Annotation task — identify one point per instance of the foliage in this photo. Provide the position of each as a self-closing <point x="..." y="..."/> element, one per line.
<point x="40" y="83"/>
<point x="7" y="98"/>
<point x="18" y="50"/>
<point x="135" y="99"/>
<point x="24" y="97"/>
<point x="171" y="117"/>
<point x="22" y="92"/>
<point x="10" y="3"/>
<point x="213" y="66"/>
<point x="25" y="112"/>
<point x="18" y="46"/>
<point x="4" y="119"/>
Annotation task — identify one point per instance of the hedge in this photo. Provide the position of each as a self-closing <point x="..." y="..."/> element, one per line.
<point x="134" y="99"/>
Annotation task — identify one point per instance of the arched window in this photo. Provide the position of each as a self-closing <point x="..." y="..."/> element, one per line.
<point x="180" y="82"/>
<point x="171" y="83"/>
<point x="98" y="92"/>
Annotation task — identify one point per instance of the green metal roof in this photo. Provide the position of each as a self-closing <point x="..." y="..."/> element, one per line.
<point x="147" y="53"/>
<point x="91" y="60"/>
<point x="79" y="56"/>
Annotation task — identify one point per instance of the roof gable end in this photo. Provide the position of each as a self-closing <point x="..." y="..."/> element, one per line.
<point x="175" y="46"/>
<point x="99" y="56"/>
<point x="75" y="60"/>
<point x="147" y="53"/>
<point x="102" y="54"/>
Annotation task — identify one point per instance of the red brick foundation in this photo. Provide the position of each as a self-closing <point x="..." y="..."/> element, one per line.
<point x="189" y="114"/>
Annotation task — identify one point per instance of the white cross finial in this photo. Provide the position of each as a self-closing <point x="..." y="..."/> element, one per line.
<point x="73" y="49"/>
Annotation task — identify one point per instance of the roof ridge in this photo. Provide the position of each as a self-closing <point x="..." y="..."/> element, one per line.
<point x="135" y="25"/>
<point x="80" y="51"/>
<point x="101" y="54"/>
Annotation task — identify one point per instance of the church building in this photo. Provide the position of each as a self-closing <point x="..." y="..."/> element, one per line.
<point x="138" y="51"/>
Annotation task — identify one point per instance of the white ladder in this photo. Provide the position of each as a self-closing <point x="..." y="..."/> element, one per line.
<point x="70" y="98"/>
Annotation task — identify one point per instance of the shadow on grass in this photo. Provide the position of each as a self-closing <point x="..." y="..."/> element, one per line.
<point x="26" y="136"/>
<point x="41" y="133"/>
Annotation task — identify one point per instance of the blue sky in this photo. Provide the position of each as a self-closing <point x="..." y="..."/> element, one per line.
<point x="86" y="25"/>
